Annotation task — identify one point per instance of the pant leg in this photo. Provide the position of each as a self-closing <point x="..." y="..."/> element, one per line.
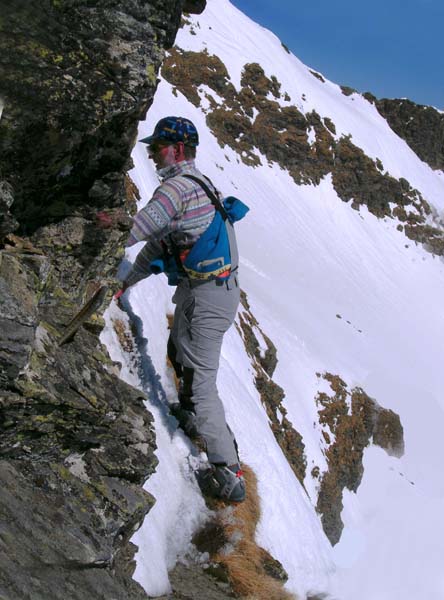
<point x="172" y="355"/>
<point x="203" y="314"/>
<point x="184" y="301"/>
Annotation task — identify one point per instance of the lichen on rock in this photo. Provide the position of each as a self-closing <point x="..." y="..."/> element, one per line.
<point x="75" y="84"/>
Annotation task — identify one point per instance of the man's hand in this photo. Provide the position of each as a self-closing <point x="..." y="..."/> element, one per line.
<point x="122" y="290"/>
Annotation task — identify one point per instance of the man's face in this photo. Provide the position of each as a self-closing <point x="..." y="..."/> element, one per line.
<point x="163" y="155"/>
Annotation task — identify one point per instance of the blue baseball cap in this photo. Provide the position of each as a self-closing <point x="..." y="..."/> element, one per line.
<point x="173" y="130"/>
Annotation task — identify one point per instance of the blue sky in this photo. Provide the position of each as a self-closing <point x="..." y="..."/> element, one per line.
<point x="392" y="48"/>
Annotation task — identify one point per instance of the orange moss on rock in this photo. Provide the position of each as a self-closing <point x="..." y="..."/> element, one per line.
<point x="354" y="420"/>
<point x="253" y="77"/>
<point x="188" y="70"/>
<point x="388" y="433"/>
<point x="431" y="237"/>
<point x="125" y="337"/>
<point x="271" y="394"/>
<point x="132" y="195"/>
<point x="357" y="177"/>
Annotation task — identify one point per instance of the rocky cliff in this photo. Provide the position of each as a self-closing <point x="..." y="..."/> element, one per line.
<point x="422" y="127"/>
<point x="76" y="442"/>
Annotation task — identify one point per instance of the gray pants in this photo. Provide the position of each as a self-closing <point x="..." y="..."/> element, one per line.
<point x="204" y="312"/>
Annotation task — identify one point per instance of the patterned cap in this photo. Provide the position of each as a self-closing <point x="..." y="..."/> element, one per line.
<point x="174" y="129"/>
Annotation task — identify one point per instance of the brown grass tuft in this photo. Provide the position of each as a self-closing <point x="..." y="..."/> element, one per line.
<point x="170" y="319"/>
<point x="125" y="337"/>
<point x="247" y="566"/>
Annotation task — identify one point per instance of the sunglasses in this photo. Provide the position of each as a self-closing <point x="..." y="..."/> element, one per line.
<point x="157" y="146"/>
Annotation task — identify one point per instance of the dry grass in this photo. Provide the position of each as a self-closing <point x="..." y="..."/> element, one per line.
<point x="170" y="319"/>
<point x="125" y="338"/>
<point x="229" y="539"/>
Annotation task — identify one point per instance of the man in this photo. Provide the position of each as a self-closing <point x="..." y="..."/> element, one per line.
<point x="180" y="211"/>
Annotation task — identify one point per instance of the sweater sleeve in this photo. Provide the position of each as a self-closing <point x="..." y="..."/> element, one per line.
<point x="141" y="267"/>
<point x="150" y="225"/>
<point x="155" y="220"/>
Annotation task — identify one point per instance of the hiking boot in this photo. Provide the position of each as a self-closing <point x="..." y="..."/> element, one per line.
<point x="223" y="482"/>
<point x="186" y="418"/>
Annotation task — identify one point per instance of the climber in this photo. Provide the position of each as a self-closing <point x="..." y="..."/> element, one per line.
<point x="186" y="208"/>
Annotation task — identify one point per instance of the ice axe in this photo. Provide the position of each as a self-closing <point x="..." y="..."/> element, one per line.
<point x="89" y="308"/>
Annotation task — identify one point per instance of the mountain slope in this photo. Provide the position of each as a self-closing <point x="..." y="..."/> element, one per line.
<point x="351" y="304"/>
<point x="422" y="127"/>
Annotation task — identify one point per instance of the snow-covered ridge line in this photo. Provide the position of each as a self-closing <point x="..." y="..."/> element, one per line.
<point x="254" y="122"/>
<point x="352" y="115"/>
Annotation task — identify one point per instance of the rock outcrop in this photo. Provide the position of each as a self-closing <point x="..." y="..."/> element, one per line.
<point x="76" y="77"/>
<point x="422" y="127"/>
<point x="76" y="443"/>
<point x="262" y="353"/>
<point x="350" y="421"/>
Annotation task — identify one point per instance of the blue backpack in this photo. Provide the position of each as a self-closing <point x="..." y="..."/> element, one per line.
<point x="211" y="255"/>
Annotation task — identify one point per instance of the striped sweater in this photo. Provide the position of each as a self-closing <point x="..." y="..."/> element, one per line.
<point x="179" y="207"/>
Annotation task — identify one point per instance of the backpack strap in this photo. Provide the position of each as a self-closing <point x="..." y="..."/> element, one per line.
<point x="230" y="231"/>
<point x="175" y="254"/>
<point x="211" y="195"/>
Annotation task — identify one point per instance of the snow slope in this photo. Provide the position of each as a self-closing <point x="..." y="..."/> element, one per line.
<point x="306" y="257"/>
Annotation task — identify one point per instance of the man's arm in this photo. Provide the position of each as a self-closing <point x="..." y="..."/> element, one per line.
<point x="141" y="267"/>
<point x="155" y="219"/>
<point x="150" y="225"/>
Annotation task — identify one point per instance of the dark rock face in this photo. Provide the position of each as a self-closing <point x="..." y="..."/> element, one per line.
<point x="76" y="446"/>
<point x="193" y="582"/>
<point x="76" y="443"/>
<point x="194" y="6"/>
<point x="7" y="221"/>
<point x="422" y="127"/>
<point x="75" y="78"/>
